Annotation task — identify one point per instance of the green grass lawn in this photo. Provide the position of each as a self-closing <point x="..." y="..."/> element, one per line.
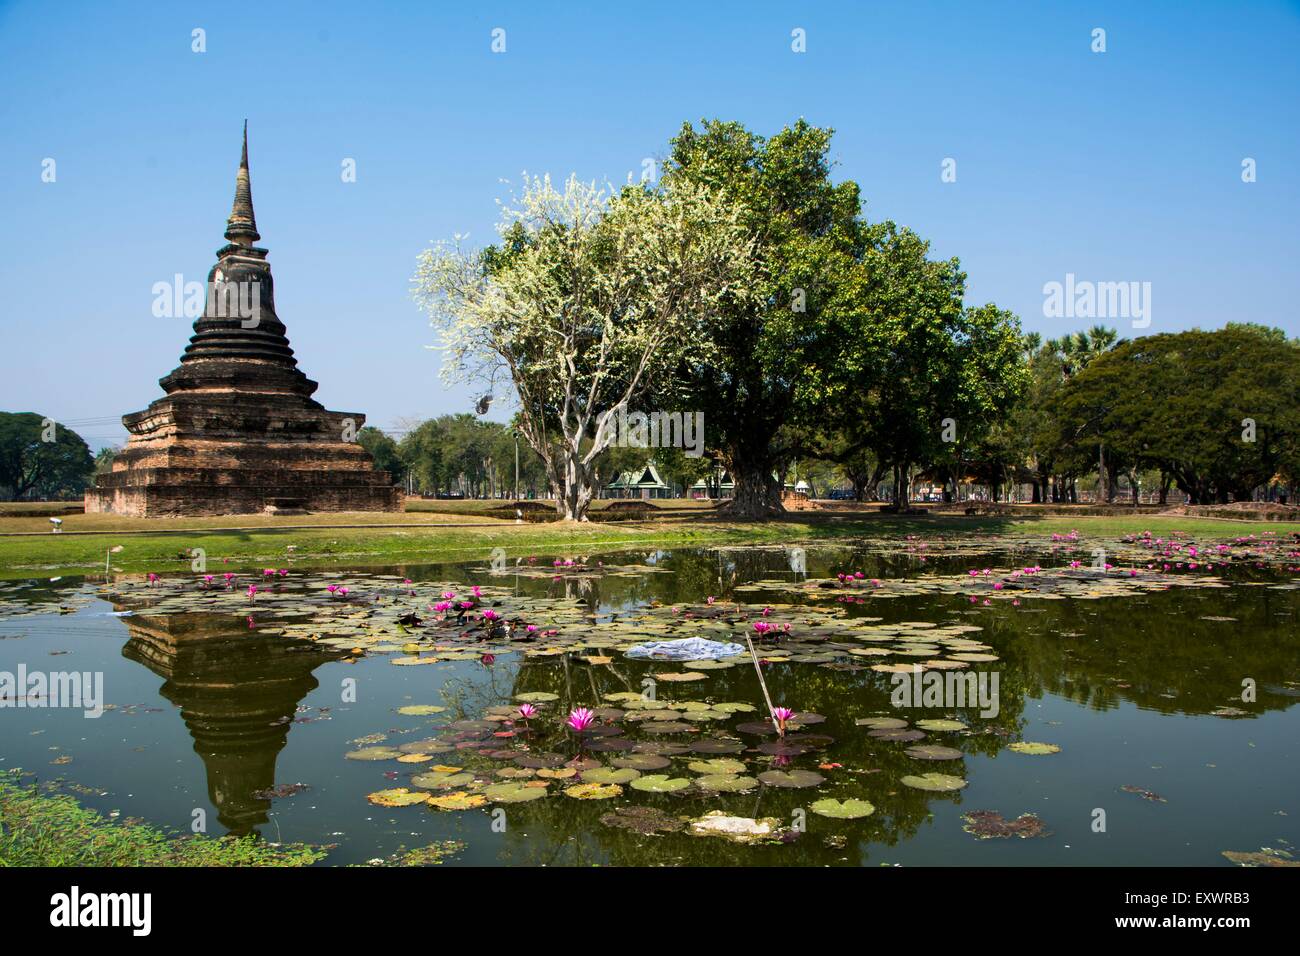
<point x="164" y="544"/>
<point x="41" y="828"/>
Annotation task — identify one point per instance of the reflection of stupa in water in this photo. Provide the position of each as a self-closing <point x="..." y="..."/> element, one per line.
<point x="238" y="691"/>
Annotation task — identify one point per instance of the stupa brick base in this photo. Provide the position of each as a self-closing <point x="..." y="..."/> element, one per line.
<point x="238" y="431"/>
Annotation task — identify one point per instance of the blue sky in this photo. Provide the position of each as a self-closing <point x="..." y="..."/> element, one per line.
<point x="1115" y="166"/>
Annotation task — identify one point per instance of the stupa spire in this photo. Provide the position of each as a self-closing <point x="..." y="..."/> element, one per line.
<point x="241" y="227"/>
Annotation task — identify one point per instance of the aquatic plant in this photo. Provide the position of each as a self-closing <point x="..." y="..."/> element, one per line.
<point x="580" y="718"/>
<point x="781" y="715"/>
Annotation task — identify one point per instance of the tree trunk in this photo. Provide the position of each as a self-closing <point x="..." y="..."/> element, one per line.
<point x="756" y="494"/>
<point x="1103" y="475"/>
<point x="574" y="491"/>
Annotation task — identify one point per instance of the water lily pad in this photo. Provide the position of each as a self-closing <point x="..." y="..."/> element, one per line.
<point x="513" y="792"/>
<point x="660" y="783"/>
<point x="610" y="775"/>
<point x="725" y="782"/>
<point x="715" y="745"/>
<point x="842" y="810"/>
<point x="717" y="765"/>
<point x="881" y="723"/>
<point x="641" y="762"/>
<point x="539" y="697"/>
<point x="397" y="797"/>
<point x="791" y="778"/>
<point x="938" y="782"/>
<point x="441" y="781"/>
<point x="940" y="725"/>
<point x="1031" y="747"/>
<point x="557" y="773"/>
<point x="933" y="752"/>
<point x="458" y="801"/>
<point x="537" y="761"/>
<point x="431" y="745"/>
<point x="374" y="753"/>
<point x="420" y="710"/>
<point x="680" y="676"/>
<point x="667" y="727"/>
<point x="908" y="734"/>
<point x="593" y="791"/>
<point x="515" y="773"/>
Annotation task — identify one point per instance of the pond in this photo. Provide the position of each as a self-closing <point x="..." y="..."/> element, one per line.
<point x="1118" y="712"/>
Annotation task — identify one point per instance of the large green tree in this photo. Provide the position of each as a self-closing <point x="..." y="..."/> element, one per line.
<point x="589" y="298"/>
<point x="41" y="459"/>
<point x="763" y="376"/>
<point x="1219" y="412"/>
<point x="919" y="378"/>
<point x="383" y="450"/>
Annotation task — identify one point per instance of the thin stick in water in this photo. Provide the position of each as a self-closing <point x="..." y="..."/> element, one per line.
<point x="763" y="684"/>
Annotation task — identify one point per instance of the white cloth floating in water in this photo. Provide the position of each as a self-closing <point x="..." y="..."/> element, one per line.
<point x="686" y="649"/>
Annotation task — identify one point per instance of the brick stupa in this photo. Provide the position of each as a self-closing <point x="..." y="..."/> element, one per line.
<point x="238" y="431"/>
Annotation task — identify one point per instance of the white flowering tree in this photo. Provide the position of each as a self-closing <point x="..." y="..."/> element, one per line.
<point x="589" y="301"/>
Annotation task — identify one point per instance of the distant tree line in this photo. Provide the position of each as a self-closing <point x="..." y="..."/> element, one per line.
<point x="1212" y="414"/>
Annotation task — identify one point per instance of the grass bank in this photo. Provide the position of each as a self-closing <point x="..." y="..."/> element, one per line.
<point x="358" y="540"/>
<point x="53" y="829"/>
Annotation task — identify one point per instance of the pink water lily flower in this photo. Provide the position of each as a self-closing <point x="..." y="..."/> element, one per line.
<point x="527" y="710"/>
<point x="252" y="592"/>
<point x="491" y="615"/>
<point x="580" y="718"/>
<point x="781" y="715"/>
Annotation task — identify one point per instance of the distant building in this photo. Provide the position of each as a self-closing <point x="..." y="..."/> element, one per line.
<point x="724" y="485"/>
<point x="643" y="483"/>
